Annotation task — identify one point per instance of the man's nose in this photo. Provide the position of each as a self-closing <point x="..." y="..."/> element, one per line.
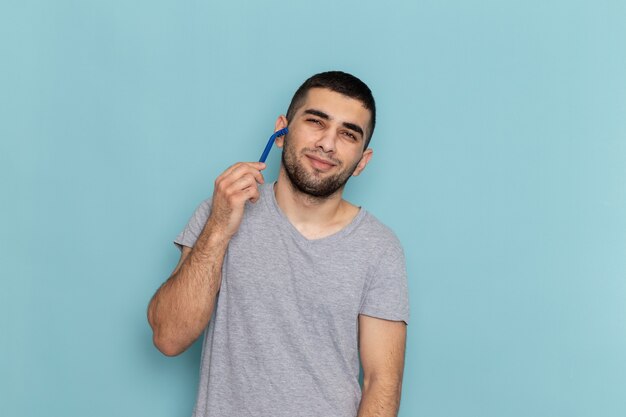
<point x="326" y="141"/>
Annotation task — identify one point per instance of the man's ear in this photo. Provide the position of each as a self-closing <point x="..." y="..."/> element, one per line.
<point x="281" y="123"/>
<point x="367" y="155"/>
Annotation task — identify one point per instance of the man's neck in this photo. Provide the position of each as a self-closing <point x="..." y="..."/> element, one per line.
<point x="313" y="217"/>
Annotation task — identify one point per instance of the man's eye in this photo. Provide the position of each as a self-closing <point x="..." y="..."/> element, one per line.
<point x="350" y="135"/>
<point x="316" y="121"/>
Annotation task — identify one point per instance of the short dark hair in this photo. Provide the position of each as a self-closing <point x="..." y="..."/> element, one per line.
<point x="342" y="83"/>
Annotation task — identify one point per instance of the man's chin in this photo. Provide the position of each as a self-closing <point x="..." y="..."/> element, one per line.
<point x="311" y="181"/>
<point x="319" y="190"/>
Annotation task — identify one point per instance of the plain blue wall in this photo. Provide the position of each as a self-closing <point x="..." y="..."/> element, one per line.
<point x="500" y="161"/>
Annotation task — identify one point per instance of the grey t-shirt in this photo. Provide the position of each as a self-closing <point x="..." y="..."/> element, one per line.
<point x="283" y="339"/>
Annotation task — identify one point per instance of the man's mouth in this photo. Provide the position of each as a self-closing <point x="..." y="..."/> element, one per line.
<point x="320" y="163"/>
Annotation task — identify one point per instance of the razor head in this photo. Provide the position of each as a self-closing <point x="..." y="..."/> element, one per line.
<point x="281" y="132"/>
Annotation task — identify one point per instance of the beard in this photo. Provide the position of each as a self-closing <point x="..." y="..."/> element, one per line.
<point x="312" y="184"/>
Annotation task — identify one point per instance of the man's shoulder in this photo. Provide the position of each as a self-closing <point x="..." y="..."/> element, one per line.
<point x="377" y="233"/>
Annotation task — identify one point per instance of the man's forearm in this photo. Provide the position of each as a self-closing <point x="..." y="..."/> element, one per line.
<point x="380" y="399"/>
<point x="181" y="309"/>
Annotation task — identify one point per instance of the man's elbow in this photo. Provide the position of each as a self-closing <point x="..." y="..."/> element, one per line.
<point x="167" y="347"/>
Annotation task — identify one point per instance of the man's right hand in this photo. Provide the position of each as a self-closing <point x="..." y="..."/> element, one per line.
<point x="233" y="188"/>
<point x="182" y="307"/>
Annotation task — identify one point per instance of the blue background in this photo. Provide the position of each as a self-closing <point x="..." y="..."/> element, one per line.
<point x="500" y="161"/>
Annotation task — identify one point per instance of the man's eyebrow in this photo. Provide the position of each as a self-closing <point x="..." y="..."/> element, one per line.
<point x="324" y="116"/>
<point x="317" y="113"/>
<point x="354" y="127"/>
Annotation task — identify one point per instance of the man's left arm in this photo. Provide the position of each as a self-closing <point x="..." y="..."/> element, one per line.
<point x="382" y="345"/>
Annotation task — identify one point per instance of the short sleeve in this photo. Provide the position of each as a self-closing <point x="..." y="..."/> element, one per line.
<point x="194" y="227"/>
<point x="387" y="295"/>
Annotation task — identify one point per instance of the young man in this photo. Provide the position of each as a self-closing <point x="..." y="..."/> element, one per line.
<point x="293" y="282"/>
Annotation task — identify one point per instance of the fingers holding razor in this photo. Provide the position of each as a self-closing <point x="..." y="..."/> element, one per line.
<point x="235" y="186"/>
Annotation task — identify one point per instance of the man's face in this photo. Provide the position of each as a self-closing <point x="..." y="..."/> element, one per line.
<point x="324" y="146"/>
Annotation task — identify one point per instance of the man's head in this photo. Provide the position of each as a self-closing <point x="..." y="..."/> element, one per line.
<point x="342" y="83"/>
<point x="331" y="119"/>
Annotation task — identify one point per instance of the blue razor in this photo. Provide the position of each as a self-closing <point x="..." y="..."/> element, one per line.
<point x="268" y="147"/>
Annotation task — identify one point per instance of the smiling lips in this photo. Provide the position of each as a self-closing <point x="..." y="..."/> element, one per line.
<point x="320" y="163"/>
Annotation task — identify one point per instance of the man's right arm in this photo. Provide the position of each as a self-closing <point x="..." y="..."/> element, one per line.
<point x="181" y="308"/>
